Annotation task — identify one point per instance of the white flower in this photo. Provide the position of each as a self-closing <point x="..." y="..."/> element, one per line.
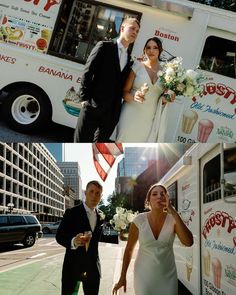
<point x="122" y="219"/>
<point x="183" y="82"/>
<point x="191" y="74"/>
<point x="170" y="72"/>
<point x="101" y="214"/>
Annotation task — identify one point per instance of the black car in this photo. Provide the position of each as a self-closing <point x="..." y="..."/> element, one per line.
<point x="19" y="228"/>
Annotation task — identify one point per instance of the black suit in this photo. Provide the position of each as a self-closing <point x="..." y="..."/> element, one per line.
<point x="101" y="87"/>
<point x="78" y="261"/>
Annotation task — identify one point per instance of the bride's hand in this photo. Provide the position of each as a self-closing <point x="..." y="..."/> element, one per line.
<point x="138" y="96"/>
<point x="167" y="205"/>
<point x="122" y="282"/>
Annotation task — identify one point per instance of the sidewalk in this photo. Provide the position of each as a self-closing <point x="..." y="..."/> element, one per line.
<point x="44" y="277"/>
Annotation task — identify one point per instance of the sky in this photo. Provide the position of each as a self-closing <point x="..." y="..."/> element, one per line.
<point x="82" y="152"/>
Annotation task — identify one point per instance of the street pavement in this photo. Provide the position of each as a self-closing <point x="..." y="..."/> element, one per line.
<point x="26" y="272"/>
<point x="42" y="276"/>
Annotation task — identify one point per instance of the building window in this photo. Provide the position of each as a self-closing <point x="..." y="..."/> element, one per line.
<point x="211" y="180"/>
<point x="219" y="56"/>
<point x="82" y="24"/>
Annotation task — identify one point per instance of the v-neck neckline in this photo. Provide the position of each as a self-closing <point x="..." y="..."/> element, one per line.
<point x="145" y="69"/>
<point x="156" y="239"/>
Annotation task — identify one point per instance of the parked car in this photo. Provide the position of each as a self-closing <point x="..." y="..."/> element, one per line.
<point x="19" y="228"/>
<point x="49" y="228"/>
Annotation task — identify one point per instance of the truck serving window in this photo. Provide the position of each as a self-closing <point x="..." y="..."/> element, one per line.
<point x="211" y="180"/>
<point x="172" y="190"/>
<point x="81" y="24"/>
<point x="219" y="56"/>
<point x="230" y="172"/>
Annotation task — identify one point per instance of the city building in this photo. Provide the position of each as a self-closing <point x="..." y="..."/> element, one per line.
<point x="30" y="181"/>
<point x="168" y="155"/>
<point x="135" y="161"/>
<point x="71" y="173"/>
<point x="70" y="197"/>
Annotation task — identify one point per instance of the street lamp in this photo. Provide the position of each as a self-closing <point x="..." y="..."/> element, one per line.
<point x="10" y="207"/>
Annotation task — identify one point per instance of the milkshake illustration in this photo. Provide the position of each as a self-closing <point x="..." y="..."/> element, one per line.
<point x="206" y="262"/>
<point x="205" y="127"/>
<point x="189" y="265"/>
<point x="217" y="270"/>
<point x="46" y="34"/>
<point x="188" y="121"/>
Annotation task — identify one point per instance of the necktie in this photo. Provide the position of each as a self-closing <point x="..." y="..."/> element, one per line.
<point x="123" y="58"/>
<point x="92" y="219"/>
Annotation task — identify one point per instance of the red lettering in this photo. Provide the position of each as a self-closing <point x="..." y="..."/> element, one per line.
<point x="48" y="5"/>
<point x="232" y="224"/>
<point x="219" y="218"/>
<point x="229" y="91"/>
<point x="233" y="101"/>
<point x="220" y="89"/>
<point x="211" y="88"/>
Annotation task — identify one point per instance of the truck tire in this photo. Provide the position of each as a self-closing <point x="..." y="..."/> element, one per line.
<point x="27" y="109"/>
<point x="29" y="240"/>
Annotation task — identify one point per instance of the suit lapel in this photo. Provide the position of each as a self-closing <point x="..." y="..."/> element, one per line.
<point x="116" y="58"/>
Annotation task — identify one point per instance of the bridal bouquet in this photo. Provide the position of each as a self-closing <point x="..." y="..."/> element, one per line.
<point x="175" y="79"/>
<point x="122" y="219"/>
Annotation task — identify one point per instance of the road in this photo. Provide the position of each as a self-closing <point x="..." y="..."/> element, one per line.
<point x="53" y="133"/>
<point x="37" y="270"/>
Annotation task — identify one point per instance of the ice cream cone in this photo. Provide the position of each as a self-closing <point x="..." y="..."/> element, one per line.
<point x="189" y="271"/>
<point x="144" y="89"/>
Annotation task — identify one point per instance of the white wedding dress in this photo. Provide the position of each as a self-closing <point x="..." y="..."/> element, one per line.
<point x="136" y="119"/>
<point x="154" y="268"/>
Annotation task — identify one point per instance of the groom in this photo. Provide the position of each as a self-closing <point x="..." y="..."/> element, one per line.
<point x="102" y="82"/>
<point x="81" y="262"/>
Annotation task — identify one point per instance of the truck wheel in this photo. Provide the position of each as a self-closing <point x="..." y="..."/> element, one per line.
<point x="27" y="109"/>
<point x="29" y="240"/>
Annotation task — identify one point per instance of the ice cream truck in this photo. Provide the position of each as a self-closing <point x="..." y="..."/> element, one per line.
<point x="44" y="45"/>
<point x="202" y="184"/>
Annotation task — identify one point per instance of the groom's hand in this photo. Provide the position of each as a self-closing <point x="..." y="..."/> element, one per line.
<point x="79" y="240"/>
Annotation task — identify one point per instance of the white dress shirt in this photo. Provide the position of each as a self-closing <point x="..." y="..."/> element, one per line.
<point x="123" y="55"/>
<point x="92" y="217"/>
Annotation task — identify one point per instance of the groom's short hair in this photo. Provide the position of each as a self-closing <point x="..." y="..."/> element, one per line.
<point x="130" y="20"/>
<point x="94" y="182"/>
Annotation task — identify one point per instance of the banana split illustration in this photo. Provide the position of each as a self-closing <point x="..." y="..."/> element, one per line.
<point x="14" y="33"/>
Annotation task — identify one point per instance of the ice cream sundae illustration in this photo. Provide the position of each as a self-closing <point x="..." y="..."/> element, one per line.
<point x="186" y="211"/>
<point x="71" y="102"/>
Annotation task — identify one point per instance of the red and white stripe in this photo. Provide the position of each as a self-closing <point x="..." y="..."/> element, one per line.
<point x="104" y="156"/>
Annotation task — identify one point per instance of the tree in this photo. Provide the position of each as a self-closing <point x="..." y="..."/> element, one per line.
<point x="114" y="200"/>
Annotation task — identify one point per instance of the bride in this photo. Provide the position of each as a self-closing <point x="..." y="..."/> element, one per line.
<point x="142" y="98"/>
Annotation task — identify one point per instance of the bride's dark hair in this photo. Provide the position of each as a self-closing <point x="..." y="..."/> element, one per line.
<point x="158" y="42"/>
<point x="147" y="200"/>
